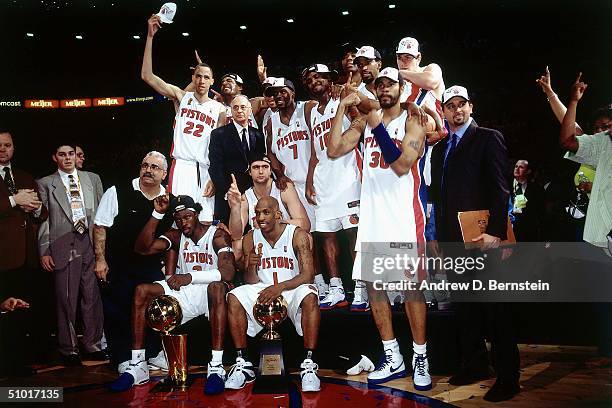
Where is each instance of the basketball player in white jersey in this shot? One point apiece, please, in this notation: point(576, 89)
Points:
point(278, 262)
point(392, 210)
point(368, 63)
point(290, 206)
point(206, 266)
point(332, 185)
point(196, 116)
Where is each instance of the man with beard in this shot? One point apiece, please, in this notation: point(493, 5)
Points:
point(196, 116)
point(207, 264)
point(391, 211)
point(332, 186)
point(124, 209)
point(368, 63)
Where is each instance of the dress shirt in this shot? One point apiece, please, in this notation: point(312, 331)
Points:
point(239, 129)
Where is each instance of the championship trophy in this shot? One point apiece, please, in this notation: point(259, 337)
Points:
point(271, 377)
point(163, 315)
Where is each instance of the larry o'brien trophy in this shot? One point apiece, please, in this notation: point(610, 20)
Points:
point(271, 378)
point(163, 315)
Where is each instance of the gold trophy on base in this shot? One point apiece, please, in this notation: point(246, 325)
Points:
point(163, 315)
point(271, 377)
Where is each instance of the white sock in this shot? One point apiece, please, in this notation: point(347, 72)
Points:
point(359, 284)
point(217, 357)
point(319, 279)
point(137, 356)
point(392, 345)
point(419, 348)
point(337, 282)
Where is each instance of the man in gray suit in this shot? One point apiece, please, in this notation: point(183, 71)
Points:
point(65, 244)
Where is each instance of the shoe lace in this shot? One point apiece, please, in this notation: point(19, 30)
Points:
point(384, 361)
point(419, 364)
point(309, 367)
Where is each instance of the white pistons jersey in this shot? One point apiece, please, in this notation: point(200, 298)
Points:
point(252, 201)
point(228, 115)
point(192, 126)
point(336, 181)
point(280, 258)
point(291, 143)
point(362, 88)
point(392, 206)
point(198, 256)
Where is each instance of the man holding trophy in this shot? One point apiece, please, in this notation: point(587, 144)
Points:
point(278, 259)
point(206, 262)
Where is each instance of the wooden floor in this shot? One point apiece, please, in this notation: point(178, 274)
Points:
point(551, 376)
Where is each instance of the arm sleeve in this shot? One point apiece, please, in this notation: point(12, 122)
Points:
point(201, 277)
point(107, 209)
point(589, 149)
point(217, 167)
point(498, 193)
point(430, 228)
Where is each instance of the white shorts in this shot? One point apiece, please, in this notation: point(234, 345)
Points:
point(193, 299)
point(183, 180)
point(337, 224)
point(247, 296)
point(310, 209)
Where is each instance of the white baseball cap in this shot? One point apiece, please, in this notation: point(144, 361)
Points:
point(408, 45)
point(455, 90)
point(319, 68)
point(167, 12)
point(269, 80)
point(235, 77)
point(369, 52)
point(391, 73)
point(279, 83)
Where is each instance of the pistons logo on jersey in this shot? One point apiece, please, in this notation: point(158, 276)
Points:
point(198, 257)
point(277, 262)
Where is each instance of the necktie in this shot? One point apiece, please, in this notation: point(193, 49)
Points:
point(245, 144)
point(451, 150)
point(76, 204)
point(8, 180)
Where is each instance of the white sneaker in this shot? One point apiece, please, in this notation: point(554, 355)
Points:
point(240, 374)
point(123, 366)
point(159, 362)
point(135, 374)
point(360, 300)
point(420, 376)
point(322, 288)
point(364, 364)
point(334, 298)
point(391, 367)
point(310, 380)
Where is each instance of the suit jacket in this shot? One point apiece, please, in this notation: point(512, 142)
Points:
point(528, 223)
point(475, 180)
point(18, 229)
point(55, 235)
point(226, 157)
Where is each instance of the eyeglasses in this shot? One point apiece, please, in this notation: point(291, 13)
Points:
point(147, 166)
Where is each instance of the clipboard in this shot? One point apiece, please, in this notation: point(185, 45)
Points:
point(474, 223)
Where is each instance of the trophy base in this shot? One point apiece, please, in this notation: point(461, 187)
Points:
point(169, 385)
point(271, 377)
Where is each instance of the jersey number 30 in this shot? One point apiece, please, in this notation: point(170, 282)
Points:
point(378, 161)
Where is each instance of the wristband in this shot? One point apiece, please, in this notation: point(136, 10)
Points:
point(156, 215)
point(389, 150)
point(199, 277)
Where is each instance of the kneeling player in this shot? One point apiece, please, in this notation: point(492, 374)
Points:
point(206, 262)
point(286, 250)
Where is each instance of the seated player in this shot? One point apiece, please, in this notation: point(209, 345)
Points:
point(285, 250)
point(207, 265)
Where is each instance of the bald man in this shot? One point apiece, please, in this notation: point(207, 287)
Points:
point(231, 149)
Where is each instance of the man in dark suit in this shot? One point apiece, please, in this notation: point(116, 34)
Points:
point(66, 250)
point(21, 212)
point(231, 148)
point(468, 174)
point(527, 204)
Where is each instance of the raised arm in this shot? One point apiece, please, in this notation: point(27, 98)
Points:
point(341, 143)
point(567, 136)
point(159, 85)
point(147, 243)
point(430, 78)
point(555, 103)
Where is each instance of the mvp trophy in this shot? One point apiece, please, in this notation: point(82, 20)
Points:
point(271, 377)
point(163, 315)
